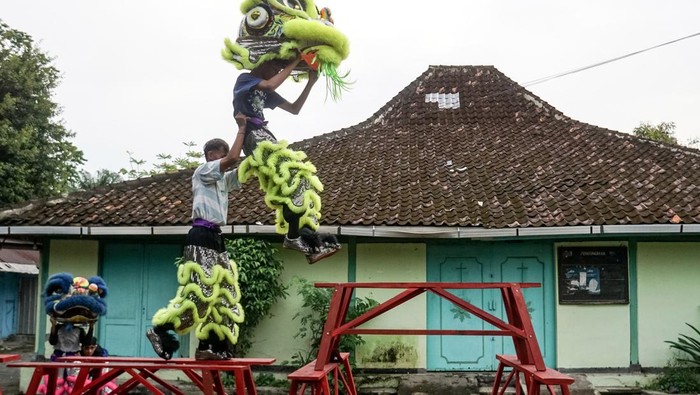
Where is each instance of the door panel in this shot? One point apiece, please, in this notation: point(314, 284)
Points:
point(160, 285)
point(528, 269)
point(141, 278)
point(487, 262)
point(122, 271)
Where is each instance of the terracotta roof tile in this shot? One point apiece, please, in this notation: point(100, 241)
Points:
point(495, 156)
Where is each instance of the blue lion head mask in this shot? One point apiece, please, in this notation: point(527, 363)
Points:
point(75, 299)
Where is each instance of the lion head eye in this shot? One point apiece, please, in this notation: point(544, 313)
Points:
point(259, 18)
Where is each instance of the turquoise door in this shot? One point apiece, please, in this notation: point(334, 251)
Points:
point(487, 262)
point(141, 278)
point(8, 304)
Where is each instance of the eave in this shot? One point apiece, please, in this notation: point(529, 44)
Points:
point(400, 232)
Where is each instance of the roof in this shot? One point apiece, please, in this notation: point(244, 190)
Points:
point(19, 261)
point(461, 146)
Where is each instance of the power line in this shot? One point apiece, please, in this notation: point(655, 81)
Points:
point(551, 77)
point(554, 76)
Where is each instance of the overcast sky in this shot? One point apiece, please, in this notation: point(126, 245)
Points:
point(147, 75)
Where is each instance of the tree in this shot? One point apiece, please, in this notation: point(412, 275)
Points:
point(663, 132)
point(37, 158)
point(86, 180)
point(166, 164)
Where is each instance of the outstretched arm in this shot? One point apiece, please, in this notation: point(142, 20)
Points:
point(235, 153)
point(295, 107)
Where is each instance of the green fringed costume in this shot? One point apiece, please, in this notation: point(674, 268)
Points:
point(208, 297)
point(285, 176)
point(274, 29)
point(293, 38)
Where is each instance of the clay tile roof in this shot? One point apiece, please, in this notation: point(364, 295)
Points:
point(459, 146)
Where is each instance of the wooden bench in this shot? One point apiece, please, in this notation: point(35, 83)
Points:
point(142, 371)
point(9, 357)
point(317, 380)
point(533, 378)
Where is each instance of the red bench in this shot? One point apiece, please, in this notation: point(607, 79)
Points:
point(142, 371)
point(317, 380)
point(533, 378)
point(9, 357)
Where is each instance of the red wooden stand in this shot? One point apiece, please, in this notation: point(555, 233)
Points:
point(142, 371)
point(317, 380)
point(528, 359)
point(533, 378)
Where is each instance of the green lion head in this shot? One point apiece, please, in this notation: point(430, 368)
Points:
point(280, 29)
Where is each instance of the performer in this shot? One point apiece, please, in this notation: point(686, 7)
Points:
point(67, 339)
point(288, 180)
point(208, 296)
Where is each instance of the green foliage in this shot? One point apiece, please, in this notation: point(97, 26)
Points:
point(269, 380)
point(166, 164)
point(259, 275)
point(663, 132)
point(689, 346)
point(682, 374)
point(312, 318)
point(261, 380)
point(38, 159)
point(87, 180)
point(677, 378)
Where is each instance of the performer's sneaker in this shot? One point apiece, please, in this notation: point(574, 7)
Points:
point(296, 245)
point(157, 344)
point(209, 355)
point(322, 252)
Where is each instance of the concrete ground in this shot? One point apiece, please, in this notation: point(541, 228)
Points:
point(9, 377)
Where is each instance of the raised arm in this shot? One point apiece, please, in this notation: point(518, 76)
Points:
point(235, 152)
point(275, 81)
point(295, 107)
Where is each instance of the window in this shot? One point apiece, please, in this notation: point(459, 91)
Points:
point(593, 275)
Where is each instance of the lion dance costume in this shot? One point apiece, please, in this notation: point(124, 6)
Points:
point(207, 300)
point(72, 303)
point(276, 30)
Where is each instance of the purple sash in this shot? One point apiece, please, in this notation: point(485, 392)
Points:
point(203, 223)
point(257, 122)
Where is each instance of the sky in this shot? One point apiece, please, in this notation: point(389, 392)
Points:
point(146, 76)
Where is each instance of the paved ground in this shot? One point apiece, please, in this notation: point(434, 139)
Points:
point(9, 377)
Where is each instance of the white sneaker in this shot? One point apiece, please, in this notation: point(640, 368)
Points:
point(296, 244)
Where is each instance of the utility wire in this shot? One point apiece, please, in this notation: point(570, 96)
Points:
point(554, 76)
point(551, 77)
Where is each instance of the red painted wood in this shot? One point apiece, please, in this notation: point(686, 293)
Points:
point(519, 327)
point(339, 304)
point(9, 357)
point(426, 285)
point(142, 371)
point(533, 377)
point(547, 376)
point(498, 323)
point(232, 361)
point(317, 380)
point(464, 332)
point(380, 309)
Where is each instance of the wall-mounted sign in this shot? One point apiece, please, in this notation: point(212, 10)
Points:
point(592, 275)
